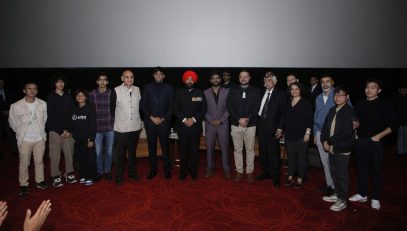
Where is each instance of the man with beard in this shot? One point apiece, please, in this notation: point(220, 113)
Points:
point(243, 105)
point(156, 105)
point(189, 108)
point(217, 124)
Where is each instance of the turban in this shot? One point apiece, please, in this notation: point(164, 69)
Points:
point(190, 74)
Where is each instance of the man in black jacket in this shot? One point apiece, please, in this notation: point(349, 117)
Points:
point(156, 104)
point(189, 108)
point(338, 138)
point(270, 128)
point(243, 104)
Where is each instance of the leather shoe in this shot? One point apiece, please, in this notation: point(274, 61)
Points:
point(119, 182)
point(276, 182)
point(194, 177)
point(151, 175)
point(182, 177)
point(108, 176)
point(167, 174)
point(134, 177)
point(263, 176)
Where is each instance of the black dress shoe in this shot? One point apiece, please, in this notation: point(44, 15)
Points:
point(167, 174)
point(263, 176)
point(151, 175)
point(276, 182)
point(108, 176)
point(98, 177)
point(134, 177)
point(194, 177)
point(119, 182)
point(182, 177)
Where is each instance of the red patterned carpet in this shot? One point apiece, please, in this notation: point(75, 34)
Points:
point(207, 204)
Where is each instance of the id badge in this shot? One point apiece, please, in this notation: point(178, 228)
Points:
point(244, 95)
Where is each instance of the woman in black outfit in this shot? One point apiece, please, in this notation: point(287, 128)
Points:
point(83, 128)
point(299, 121)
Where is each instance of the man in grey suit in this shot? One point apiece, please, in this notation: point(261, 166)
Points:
point(217, 124)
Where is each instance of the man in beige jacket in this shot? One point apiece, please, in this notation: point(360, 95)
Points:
point(27, 118)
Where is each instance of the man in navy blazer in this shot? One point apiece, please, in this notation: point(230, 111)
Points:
point(156, 105)
point(217, 124)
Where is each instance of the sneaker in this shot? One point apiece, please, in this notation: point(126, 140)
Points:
point(331, 198)
point(57, 182)
point(42, 185)
point(70, 178)
point(82, 181)
point(358, 198)
point(289, 182)
point(297, 184)
point(338, 206)
point(89, 182)
point(23, 191)
point(375, 204)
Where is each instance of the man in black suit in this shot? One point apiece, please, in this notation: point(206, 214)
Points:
point(156, 105)
point(6, 98)
point(270, 123)
point(189, 108)
point(315, 88)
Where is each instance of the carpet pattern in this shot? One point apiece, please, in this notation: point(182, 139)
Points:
point(206, 204)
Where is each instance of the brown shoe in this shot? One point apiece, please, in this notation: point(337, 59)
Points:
point(239, 176)
point(227, 174)
point(250, 177)
point(209, 173)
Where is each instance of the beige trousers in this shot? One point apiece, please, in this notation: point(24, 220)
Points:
point(243, 136)
point(56, 144)
point(25, 149)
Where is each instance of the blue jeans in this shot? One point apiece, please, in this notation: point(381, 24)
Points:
point(108, 138)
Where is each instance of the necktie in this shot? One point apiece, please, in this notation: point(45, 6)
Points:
point(266, 104)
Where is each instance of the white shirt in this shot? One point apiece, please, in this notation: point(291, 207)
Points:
point(32, 134)
point(263, 101)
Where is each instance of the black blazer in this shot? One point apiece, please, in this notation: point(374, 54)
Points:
point(151, 105)
point(189, 104)
point(253, 104)
point(276, 112)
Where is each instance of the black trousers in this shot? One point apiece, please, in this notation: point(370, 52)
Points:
point(86, 158)
point(189, 142)
point(269, 152)
point(162, 133)
point(369, 155)
point(126, 144)
point(338, 164)
point(296, 154)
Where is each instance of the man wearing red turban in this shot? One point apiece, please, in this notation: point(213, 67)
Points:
point(189, 108)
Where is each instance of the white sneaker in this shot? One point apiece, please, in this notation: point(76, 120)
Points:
point(89, 182)
point(82, 181)
point(375, 204)
point(331, 198)
point(358, 198)
point(338, 206)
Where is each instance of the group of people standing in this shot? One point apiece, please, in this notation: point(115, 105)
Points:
point(106, 116)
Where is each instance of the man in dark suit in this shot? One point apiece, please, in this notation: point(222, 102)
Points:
point(315, 89)
point(217, 124)
point(6, 98)
point(189, 108)
point(270, 123)
point(156, 105)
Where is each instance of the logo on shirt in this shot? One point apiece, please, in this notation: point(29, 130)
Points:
point(196, 99)
point(80, 117)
